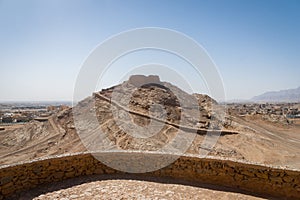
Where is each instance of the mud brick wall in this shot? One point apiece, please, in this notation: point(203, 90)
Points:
point(275, 182)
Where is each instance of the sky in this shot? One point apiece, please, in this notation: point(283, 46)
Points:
point(254, 44)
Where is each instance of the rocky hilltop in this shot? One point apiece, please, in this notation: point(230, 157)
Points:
point(147, 114)
point(144, 113)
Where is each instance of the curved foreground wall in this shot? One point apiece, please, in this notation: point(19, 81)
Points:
point(275, 182)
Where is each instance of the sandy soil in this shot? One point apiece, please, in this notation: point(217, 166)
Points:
point(257, 141)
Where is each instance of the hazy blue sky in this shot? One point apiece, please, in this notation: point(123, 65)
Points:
point(255, 44)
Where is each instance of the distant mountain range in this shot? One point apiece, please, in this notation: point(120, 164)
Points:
point(290, 95)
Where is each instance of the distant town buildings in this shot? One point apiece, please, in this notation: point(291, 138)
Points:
point(11, 113)
point(288, 110)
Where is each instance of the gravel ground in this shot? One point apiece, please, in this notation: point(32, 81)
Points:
point(112, 187)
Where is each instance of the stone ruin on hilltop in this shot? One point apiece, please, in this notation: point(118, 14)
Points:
point(140, 80)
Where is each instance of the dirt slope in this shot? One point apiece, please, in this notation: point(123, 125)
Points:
point(243, 138)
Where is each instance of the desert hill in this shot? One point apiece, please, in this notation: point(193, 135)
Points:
point(290, 95)
point(165, 110)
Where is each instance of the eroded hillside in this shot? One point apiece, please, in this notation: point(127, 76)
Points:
point(150, 116)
